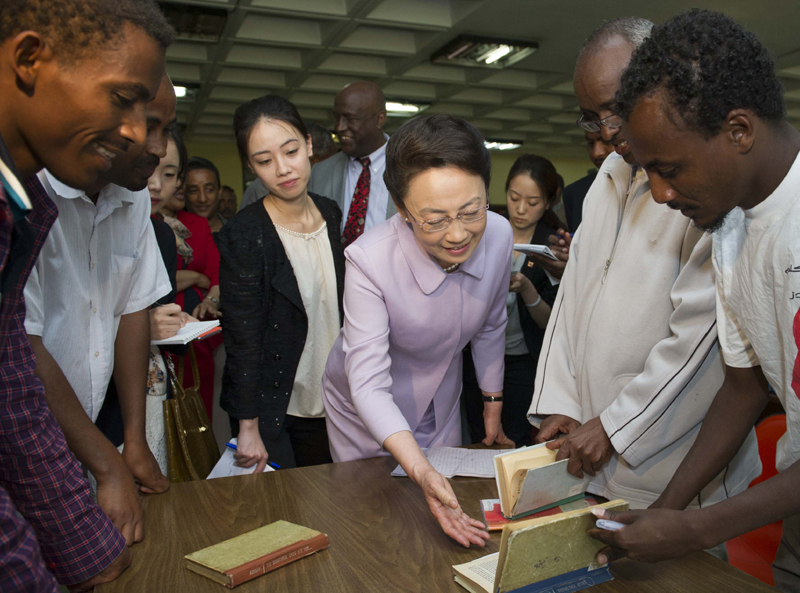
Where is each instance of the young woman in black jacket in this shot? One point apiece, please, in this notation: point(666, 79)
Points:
point(531, 189)
point(281, 279)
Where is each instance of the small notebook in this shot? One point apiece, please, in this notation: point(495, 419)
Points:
point(199, 330)
point(256, 552)
point(538, 249)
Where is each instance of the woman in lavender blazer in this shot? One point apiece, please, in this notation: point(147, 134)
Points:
point(418, 288)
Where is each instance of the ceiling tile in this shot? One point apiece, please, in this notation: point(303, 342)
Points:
point(222, 93)
point(355, 64)
point(538, 128)
point(511, 113)
point(555, 139)
point(432, 13)
point(475, 95)
point(280, 30)
point(326, 7)
point(181, 72)
point(381, 40)
point(312, 100)
point(184, 50)
point(562, 118)
point(266, 57)
point(565, 88)
point(250, 77)
point(216, 120)
point(540, 101)
point(490, 125)
point(410, 90)
point(511, 79)
point(457, 109)
point(326, 82)
point(436, 73)
point(314, 114)
point(224, 108)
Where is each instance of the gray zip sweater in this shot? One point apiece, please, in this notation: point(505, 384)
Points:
point(633, 339)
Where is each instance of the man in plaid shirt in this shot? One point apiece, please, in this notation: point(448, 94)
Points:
point(73, 120)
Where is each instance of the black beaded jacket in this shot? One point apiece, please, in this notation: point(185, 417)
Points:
point(264, 321)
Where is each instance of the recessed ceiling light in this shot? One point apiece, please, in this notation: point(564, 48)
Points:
point(470, 50)
point(180, 91)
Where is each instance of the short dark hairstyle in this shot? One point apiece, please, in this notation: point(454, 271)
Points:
point(76, 27)
point(267, 107)
point(707, 65)
point(230, 189)
point(544, 173)
point(431, 142)
point(197, 163)
point(183, 154)
point(321, 139)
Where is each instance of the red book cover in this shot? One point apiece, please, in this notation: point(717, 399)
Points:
point(265, 564)
point(495, 520)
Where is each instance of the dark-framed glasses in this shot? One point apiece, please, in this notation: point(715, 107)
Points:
point(612, 122)
point(437, 225)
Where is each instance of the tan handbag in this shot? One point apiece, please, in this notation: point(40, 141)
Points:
point(191, 447)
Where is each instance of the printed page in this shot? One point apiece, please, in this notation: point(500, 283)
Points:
point(226, 467)
point(481, 571)
point(452, 461)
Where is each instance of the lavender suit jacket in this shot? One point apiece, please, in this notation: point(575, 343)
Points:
point(398, 354)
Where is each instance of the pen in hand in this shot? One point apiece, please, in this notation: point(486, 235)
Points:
point(270, 463)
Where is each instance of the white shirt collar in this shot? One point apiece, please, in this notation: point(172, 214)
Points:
point(111, 192)
point(785, 192)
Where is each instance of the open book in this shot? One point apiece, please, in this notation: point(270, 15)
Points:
point(530, 480)
point(199, 330)
point(541, 555)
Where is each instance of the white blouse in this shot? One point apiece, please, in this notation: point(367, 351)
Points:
point(312, 260)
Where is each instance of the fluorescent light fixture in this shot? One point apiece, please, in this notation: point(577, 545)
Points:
point(393, 107)
point(180, 91)
point(497, 53)
point(485, 52)
point(500, 145)
point(404, 108)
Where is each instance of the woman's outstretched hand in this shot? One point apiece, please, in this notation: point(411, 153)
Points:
point(445, 508)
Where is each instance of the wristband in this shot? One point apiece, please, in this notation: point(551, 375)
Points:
point(492, 398)
point(216, 301)
point(539, 300)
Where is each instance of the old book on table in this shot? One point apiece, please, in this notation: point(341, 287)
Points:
point(256, 552)
point(541, 555)
point(530, 480)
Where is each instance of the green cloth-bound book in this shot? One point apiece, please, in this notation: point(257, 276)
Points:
point(256, 552)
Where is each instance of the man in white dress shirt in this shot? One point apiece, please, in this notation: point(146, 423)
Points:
point(88, 299)
point(353, 178)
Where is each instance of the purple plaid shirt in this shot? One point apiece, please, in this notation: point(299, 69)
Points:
point(39, 475)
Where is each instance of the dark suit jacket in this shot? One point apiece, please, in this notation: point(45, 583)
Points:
point(573, 197)
point(533, 334)
point(265, 323)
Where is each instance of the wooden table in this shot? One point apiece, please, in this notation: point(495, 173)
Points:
point(383, 538)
